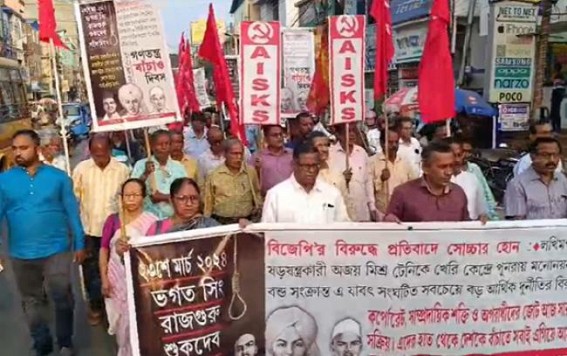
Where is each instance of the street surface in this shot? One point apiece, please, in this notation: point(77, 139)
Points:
point(14, 335)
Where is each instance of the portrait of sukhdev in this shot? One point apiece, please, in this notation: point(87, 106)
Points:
point(346, 338)
point(287, 105)
point(245, 345)
point(291, 331)
point(302, 100)
point(157, 99)
point(131, 98)
point(110, 107)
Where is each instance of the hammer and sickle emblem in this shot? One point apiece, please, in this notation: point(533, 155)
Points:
point(260, 32)
point(347, 25)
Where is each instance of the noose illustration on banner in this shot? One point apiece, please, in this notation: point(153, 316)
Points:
point(235, 280)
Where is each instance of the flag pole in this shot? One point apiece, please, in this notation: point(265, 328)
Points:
point(63, 131)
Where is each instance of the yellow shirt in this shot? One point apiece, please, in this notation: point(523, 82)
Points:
point(232, 195)
point(97, 191)
point(400, 173)
point(191, 167)
point(338, 181)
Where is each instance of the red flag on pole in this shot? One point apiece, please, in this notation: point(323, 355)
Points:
point(212, 52)
point(436, 82)
point(48, 25)
point(189, 80)
point(179, 87)
point(319, 94)
point(380, 11)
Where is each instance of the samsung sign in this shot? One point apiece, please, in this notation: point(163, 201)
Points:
point(408, 10)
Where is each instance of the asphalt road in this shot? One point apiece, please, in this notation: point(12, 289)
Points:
point(14, 335)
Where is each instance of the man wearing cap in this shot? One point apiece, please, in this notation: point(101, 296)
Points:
point(291, 331)
point(346, 339)
point(245, 345)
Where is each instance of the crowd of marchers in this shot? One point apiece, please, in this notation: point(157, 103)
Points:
point(196, 177)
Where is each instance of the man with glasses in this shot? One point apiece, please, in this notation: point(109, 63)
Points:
point(540, 192)
point(273, 163)
point(304, 198)
point(537, 130)
point(212, 157)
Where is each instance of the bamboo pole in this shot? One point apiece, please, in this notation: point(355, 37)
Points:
point(152, 176)
point(63, 130)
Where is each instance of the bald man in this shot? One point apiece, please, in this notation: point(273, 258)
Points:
point(246, 346)
point(97, 182)
point(214, 156)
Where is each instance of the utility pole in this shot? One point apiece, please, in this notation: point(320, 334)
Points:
point(541, 58)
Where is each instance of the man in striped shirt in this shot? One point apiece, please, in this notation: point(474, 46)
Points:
point(96, 183)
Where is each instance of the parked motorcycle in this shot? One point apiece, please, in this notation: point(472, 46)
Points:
point(497, 173)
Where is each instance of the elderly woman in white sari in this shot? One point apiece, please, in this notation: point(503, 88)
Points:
point(291, 331)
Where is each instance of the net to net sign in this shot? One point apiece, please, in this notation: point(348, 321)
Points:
point(260, 79)
point(439, 289)
point(347, 57)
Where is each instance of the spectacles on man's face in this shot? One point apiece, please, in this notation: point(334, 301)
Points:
point(184, 199)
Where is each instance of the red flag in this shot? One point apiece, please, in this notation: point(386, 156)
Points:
point(384, 46)
point(436, 83)
point(189, 81)
point(319, 95)
point(184, 84)
point(179, 88)
point(47, 24)
point(212, 52)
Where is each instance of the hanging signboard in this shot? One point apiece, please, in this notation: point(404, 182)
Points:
point(409, 10)
point(347, 55)
point(260, 68)
point(370, 53)
point(514, 117)
point(126, 64)
point(438, 289)
point(298, 69)
point(232, 64)
point(409, 42)
point(513, 52)
point(201, 87)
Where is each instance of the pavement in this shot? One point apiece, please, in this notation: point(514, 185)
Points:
point(14, 334)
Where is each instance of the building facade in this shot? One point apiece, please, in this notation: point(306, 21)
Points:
point(68, 61)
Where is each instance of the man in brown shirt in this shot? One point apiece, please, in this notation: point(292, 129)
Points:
point(432, 197)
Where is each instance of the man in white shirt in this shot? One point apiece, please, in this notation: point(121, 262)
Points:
point(476, 202)
point(303, 198)
point(409, 149)
point(373, 132)
point(537, 130)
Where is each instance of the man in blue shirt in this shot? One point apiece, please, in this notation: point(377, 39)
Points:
point(42, 213)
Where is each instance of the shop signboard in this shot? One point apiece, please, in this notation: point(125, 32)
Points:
point(513, 52)
point(409, 42)
point(409, 10)
point(513, 117)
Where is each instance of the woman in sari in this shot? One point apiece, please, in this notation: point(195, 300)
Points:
point(112, 272)
point(186, 202)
